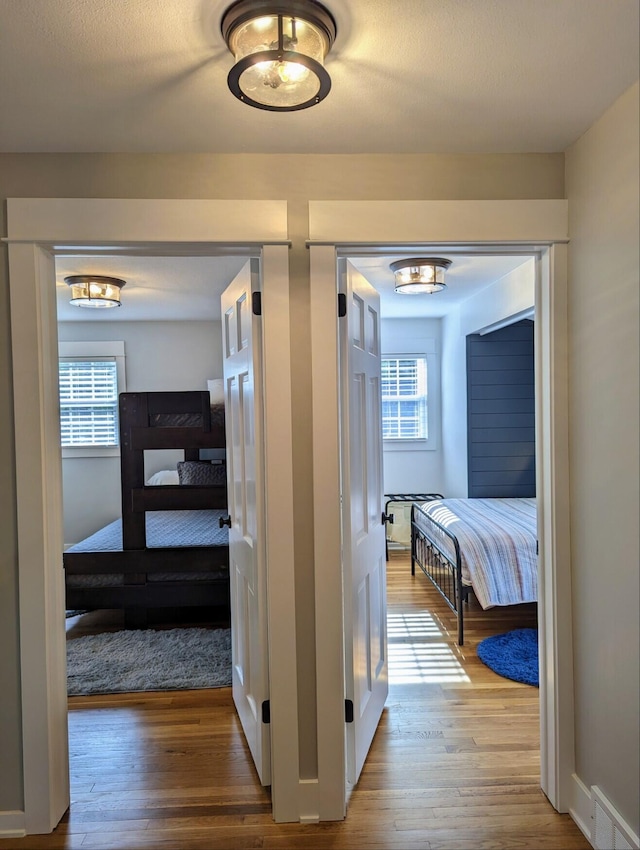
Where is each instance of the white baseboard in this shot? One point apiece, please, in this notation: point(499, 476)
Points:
point(12, 825)
point(580, 806)
point(597, 818)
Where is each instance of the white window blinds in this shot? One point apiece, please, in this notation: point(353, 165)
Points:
point(89, 402)
point(404, 398)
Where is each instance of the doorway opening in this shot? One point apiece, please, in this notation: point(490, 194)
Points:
point(167, 554)
point(165, 338)
point(438, 438)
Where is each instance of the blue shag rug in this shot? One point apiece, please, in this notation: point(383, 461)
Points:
point(513, 655)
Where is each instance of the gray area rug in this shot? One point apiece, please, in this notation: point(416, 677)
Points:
point(148, 660)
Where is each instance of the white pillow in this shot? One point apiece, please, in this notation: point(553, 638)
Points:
point(165, 476)
point(216, 390)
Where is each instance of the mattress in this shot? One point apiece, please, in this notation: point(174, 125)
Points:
point(498, 545)
point(166, 530)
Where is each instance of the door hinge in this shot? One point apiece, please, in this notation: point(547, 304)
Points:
point(256, 303)
point(348, 711)
point(266, 711)
point(342, 305)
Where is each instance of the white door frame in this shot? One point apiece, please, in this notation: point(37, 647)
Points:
point(38, 229)
point(538, 228)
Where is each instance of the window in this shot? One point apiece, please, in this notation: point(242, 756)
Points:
point(404, 398)
point(88, 403)
point(91, 375)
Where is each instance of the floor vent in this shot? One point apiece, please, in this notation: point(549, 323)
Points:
point(608, 830)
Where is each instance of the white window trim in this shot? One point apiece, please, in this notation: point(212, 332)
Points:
point(432, 442)
point(109, 348)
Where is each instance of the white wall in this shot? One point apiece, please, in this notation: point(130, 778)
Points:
point(416, 469)
point(444, 470)
point(454, 407)
point(602, 176)
point(158, 356)
point(296, 179)
point(509, 297)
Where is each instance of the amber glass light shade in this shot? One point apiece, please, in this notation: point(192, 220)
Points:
point(279, 51)
point(96, 291)
point(420, 275)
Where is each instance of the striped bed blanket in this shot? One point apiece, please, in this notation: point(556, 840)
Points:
point(497, 539)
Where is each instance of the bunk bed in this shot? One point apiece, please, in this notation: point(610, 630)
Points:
point(488, 546)
point(170, 548)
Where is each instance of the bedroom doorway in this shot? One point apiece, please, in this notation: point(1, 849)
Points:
point(410, 439)
point(186, 320)
point(341, 230)
point(95, 226)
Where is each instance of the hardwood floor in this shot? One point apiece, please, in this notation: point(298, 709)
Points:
point(454, 764)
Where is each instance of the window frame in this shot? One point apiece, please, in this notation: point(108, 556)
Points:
point(100, 350)
point(432, 441)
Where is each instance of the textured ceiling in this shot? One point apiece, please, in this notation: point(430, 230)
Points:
point(409, 76)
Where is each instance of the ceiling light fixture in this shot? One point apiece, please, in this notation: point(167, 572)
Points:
point(279, 50)
point(420, 275)
point(94, 290)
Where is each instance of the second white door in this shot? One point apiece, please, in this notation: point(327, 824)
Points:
point(364, 565)
point(242, 363)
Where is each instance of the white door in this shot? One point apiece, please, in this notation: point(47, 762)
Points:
point(365, 596)
point(242, 360)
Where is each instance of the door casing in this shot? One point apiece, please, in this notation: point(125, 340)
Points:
point(38, 229)
point(532, 228)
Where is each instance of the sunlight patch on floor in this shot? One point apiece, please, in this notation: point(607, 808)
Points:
point(416, 655)
point(412, 625)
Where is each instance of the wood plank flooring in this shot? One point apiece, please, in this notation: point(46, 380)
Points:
point(454, 764)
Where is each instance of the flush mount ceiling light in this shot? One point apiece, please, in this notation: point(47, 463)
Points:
point(420, 275)
point(279, 50)
point(94, 290)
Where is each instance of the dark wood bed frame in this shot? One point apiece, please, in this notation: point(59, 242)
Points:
point(157, 420)
point(444, 573)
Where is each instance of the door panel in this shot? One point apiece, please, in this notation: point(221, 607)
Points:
point(247, 543)
point(366, 674)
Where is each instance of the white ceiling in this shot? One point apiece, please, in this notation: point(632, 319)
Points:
point(409, 76)
point(156, 288)
point(466, 276)
point(189, 288)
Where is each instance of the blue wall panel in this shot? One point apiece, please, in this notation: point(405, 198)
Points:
point(501, 413)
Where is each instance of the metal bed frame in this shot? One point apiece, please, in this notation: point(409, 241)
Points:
point(403, 497)
point(445, 574)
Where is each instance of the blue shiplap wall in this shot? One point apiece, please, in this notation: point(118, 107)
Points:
point(501, 413)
